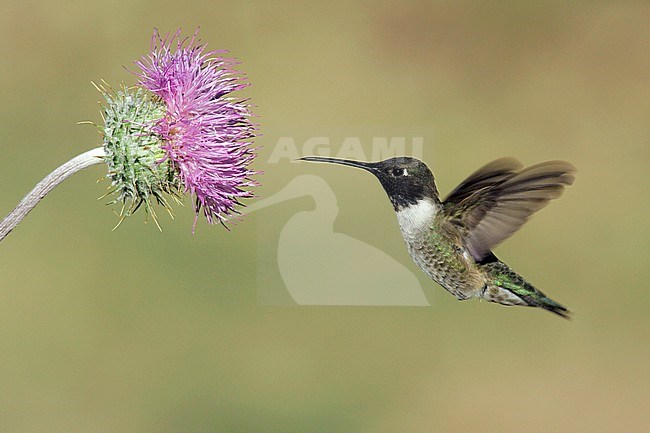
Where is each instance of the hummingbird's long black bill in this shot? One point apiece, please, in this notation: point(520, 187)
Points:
point(369, 166)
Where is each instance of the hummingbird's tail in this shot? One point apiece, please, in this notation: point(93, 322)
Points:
point(507, 287)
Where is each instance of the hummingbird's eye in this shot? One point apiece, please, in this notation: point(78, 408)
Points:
point(397, 172)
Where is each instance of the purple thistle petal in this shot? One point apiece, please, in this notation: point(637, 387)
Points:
point(206, 134)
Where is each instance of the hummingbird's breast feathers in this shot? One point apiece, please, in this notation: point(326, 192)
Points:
point(417, 218)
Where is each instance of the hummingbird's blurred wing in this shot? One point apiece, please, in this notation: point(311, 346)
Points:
point(496, 201)
point(488, 175)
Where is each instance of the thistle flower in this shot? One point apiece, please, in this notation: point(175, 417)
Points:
point(188, 136)
point(177, 131)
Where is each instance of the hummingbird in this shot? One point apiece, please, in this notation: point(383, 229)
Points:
point(452, 240)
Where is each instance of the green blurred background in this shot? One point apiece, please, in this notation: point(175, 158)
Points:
point(135, 330)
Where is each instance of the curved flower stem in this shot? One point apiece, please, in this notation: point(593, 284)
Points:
point(78, 163)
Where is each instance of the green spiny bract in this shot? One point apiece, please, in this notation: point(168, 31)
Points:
point(137, 165)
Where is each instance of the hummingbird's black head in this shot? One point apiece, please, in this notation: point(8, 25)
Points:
point(405, 180)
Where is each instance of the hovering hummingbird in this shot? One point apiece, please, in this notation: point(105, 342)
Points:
point(452, 240)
